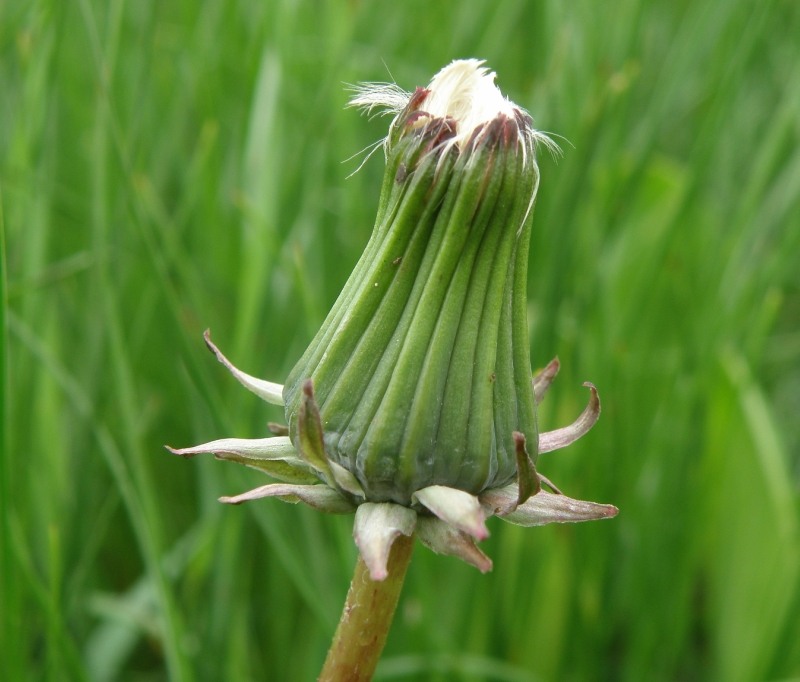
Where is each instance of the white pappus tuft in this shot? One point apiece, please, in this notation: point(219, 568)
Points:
point(463, 91)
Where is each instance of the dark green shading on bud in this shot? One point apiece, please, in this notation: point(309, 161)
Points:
point(421, 370)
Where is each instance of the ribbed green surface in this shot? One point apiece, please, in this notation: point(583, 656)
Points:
point(406, 367)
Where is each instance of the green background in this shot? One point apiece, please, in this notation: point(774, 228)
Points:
point(173, 166)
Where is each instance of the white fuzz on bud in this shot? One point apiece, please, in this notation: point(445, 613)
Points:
point(463, 91)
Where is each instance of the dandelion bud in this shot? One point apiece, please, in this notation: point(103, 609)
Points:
point(414, 405)
point(421, 370)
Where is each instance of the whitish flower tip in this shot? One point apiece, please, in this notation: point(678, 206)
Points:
point(464, 91)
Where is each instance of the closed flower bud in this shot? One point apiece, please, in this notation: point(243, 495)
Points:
point(414, 405)
point(421, 370)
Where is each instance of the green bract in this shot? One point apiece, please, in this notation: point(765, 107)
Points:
point(414, 403)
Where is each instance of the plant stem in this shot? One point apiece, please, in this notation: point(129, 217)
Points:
point(366, 618)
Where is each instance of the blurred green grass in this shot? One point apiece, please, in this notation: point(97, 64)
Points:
point(168, 167)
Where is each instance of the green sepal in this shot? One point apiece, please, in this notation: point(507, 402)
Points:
point(311, 445)
point(288, 469)
point(527, 478)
